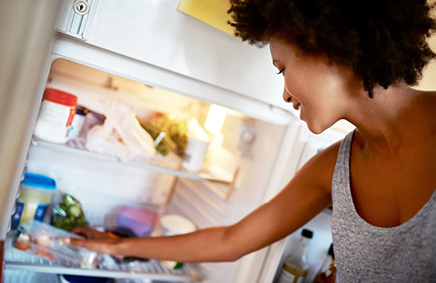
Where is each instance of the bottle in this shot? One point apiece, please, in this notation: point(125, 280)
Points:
point(295, 267)
point(78, 121)
point(327, 273)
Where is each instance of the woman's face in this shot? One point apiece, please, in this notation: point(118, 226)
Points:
point(319, 90)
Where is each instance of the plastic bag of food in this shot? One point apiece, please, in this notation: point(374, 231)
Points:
point(169, 133)
point(121, 135)
point(46, 241)
point(67, 213)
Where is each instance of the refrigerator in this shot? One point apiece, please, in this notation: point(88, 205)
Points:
point(142, 57)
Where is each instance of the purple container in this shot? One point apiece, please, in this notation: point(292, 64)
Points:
point(139, 220)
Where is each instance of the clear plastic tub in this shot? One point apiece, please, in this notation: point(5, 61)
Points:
point(46, 241)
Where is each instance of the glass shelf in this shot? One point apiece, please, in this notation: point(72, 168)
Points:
point(171, 164)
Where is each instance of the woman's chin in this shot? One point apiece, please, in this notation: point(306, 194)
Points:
point(315, 129)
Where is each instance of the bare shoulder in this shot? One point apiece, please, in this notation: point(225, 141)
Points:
point(318, 171)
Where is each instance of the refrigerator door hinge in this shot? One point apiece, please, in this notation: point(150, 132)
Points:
point(75, 17)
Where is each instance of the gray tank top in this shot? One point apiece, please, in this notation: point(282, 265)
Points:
point(367, 253)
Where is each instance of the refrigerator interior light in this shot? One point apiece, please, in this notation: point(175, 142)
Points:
point(215, 119)
point(196, 130)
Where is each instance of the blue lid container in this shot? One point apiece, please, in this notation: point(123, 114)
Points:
point(38, 181)
point(36, 193)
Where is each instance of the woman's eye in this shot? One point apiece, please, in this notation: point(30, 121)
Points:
point(280, 71)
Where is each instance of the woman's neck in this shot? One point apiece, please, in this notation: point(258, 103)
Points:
point(394, 119)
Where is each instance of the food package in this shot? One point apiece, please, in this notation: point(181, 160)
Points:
point(121, 135)
point(46, 241)
point(67, 213)
point(169, 133)
point(137, 219)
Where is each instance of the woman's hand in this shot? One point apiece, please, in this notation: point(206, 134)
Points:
point(96, 241)
point(90, 233)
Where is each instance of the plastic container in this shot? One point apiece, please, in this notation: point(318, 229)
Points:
point(195, 153)
point(139, 220)
point(55, 116)
point(43, 240)
point(173, 224)
point(36, 193)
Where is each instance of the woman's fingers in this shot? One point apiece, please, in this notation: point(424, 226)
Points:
point(90, 233)
point(102, 246)
point(75, 242)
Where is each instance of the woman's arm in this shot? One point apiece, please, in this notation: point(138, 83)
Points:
point(307, 194)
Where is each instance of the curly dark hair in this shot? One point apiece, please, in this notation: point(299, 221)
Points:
point(382, 41)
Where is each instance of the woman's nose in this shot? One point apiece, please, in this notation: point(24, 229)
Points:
point(286, 95)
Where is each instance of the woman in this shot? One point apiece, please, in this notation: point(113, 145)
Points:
point(340, 60)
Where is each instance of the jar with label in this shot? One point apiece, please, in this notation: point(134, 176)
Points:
point(36, 193)
point(55, 116)
point(295, 267)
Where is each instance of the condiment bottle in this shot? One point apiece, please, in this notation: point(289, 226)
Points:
point(327, 273)
point(295, 267)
